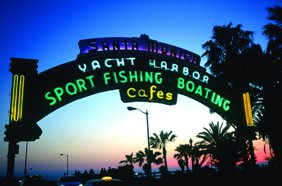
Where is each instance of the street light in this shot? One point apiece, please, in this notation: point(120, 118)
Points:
point(25, 162)
point(67, 162)
point(148, 134)
point(147, 122)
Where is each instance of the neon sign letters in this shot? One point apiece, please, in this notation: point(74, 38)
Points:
point(92, 46)
point(139, 78)
point(141, 69)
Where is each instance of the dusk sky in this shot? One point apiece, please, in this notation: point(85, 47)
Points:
point(98, 131)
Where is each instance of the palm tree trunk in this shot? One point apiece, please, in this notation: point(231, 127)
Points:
point(165, 160)
point(193, 163)
point(187, 163)
point(253, 158)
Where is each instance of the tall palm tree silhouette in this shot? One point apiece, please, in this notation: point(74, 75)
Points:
point(223, 54)
point(272, 86)
point(160, 142)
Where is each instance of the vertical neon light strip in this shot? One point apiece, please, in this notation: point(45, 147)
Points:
point(17, 98)
point(248, 109)
point(14, 97)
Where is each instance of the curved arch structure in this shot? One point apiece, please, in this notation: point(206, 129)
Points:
point(140, 68)
point(139, 76)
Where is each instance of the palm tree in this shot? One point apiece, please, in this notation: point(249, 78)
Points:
point(221, 144)
point(272, 86)
point(195, 152)
point(160, 142)
point(184, 152)
point(266, 95)
point(200, 156)
point(257, 62)
point(181, 163)
point(222, 50)
point(224, 58)
point(273, 30)
point(143, 158)
point(129, 160)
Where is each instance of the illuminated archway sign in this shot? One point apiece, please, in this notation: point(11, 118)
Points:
point(140, 68)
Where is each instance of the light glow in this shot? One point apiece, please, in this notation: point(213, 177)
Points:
point(107, 178)
point(248, 109)
point(17, 98)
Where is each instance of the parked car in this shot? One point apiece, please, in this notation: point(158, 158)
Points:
point(68, 180)
point(105, 181)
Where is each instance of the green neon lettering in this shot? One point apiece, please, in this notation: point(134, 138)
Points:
point(158, 78)
point(213, 97)
point(149, 77)
point(218, 100)
point(81, 85)
point(70, 88)
point(90, 78)
point(141, 79)
point(180, 83)
point(122, 76)
point(133, 75)
point(192, 86)
point(207, 92)
point(115, 77)
point(51, 98)
point(106, 78)
point(68, 85)
point(225, 105)
point(59, 92)
point(199, 90)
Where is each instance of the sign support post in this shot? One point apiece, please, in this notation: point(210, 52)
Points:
point(22, 126)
